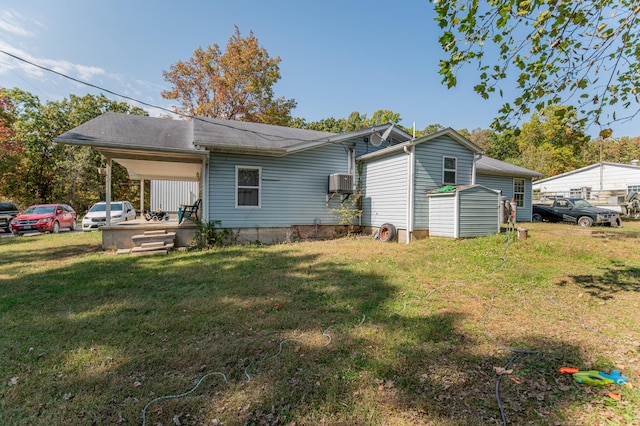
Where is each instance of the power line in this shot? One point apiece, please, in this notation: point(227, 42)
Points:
point(102, 89)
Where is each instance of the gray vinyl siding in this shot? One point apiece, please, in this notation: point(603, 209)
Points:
point(505, 185)
point(293, 188)
point(478, 212)
point(428, 173)
point(385, 191)
point(441, 214)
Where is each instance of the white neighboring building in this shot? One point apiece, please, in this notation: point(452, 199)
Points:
point(601, 183)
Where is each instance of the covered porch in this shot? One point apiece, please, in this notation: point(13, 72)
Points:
point(146, 166)
point(149, 149)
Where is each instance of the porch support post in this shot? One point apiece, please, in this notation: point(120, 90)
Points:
point(141, 198)
point(108, 193)
point(203, 189)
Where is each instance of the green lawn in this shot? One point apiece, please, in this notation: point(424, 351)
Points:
point(352, 331)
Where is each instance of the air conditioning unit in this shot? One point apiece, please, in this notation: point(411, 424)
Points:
point(340, 184)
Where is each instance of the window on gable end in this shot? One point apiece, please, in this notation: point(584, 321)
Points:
point(449, 167)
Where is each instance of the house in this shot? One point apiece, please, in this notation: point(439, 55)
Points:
point(514, 182)
point(606, 184)
point(272, 183)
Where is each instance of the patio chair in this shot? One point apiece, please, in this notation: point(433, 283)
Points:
point(189, 211)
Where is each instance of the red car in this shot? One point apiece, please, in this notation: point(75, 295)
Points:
point(44, 218)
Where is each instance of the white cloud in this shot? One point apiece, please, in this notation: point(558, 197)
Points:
point(79, 71)
point(10, 23)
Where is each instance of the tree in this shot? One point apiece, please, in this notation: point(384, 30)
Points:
point(551, 142)
point(11, 149)
point(479, 137)
point(52, 172)
point(556, 52)
point(621, 150)
point(355, 121)
point(504, 146)
point(234, 85)
point(431, 128)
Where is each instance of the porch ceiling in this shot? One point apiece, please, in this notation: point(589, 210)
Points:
point(157, 165)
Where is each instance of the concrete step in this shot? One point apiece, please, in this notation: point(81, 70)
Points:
point(148, 252)
point(153, 237)
point(151, 247)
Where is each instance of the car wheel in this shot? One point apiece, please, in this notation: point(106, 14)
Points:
point(536, 218)
point(585, 221)
point(73, 226)
point(56, 227)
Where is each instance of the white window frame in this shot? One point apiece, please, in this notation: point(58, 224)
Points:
point(454, 170)
point(519, 201)
point(259, 187)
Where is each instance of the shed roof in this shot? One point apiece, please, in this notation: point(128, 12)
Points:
point(491, 166)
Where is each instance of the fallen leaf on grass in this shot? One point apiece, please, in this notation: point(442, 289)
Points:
point(13, 381)
point(137, 384)
point(615, 395)
point(500, 371)
point(516, 381)
point(176, 420)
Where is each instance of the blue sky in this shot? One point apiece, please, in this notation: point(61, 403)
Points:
point(338, 56)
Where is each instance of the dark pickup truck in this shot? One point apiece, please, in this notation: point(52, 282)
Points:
point(575, 210)
point(7, 212)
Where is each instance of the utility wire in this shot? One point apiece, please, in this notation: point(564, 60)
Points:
point(102, 89)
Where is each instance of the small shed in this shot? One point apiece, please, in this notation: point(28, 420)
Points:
point(464, 211)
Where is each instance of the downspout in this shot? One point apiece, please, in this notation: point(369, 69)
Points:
point(409, 150)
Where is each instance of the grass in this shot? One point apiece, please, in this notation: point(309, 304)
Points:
point(351, 331)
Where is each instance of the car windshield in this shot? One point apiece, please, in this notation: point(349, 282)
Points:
point(40, 210)
point(7, 207)
point(103, 207)
point(582, 203)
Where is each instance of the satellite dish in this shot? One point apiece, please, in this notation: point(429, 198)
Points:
point(386, 133)
point(376, 139)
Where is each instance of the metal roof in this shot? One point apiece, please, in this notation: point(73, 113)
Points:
point(591, 166)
